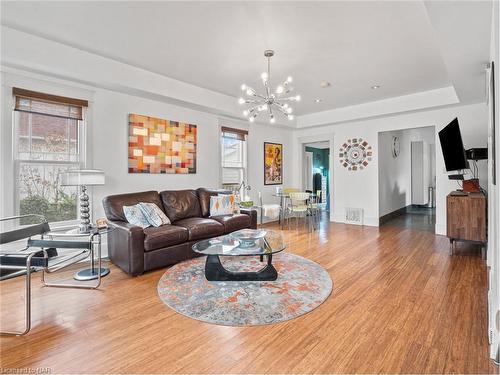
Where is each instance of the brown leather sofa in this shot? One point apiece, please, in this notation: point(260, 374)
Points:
point(136, 250)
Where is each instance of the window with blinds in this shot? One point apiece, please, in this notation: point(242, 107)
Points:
point(48, 140)
point(233, 157)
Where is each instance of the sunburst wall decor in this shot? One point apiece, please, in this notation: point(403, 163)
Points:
point(355, 154)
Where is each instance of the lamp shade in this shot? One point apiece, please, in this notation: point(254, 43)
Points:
point(79, 177)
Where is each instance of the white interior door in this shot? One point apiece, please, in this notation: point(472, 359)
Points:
point(420, 173)
point(308, 170)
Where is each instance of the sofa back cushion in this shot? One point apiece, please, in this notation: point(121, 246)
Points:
point(180, 204)
point(204, 197)
point(113, 204)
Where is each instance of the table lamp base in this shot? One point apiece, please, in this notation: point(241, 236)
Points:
point(90, 273)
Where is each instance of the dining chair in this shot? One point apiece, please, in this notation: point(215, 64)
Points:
point(273, 211)
point(298, 207)
point(315, 208)
point(289, 190)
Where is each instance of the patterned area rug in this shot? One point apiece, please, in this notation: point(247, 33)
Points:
point(302, 285)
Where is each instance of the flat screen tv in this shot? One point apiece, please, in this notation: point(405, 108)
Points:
point(453, 147)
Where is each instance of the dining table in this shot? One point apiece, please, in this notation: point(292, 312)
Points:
point(283, 197)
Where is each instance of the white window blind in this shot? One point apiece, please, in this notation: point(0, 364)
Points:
point(48, 141)
point(233, 156)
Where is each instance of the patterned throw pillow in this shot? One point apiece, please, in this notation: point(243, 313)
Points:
point(222, 205)
point(134, 216)
point(154, 214)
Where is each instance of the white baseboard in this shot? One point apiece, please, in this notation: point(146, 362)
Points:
point(440, 229)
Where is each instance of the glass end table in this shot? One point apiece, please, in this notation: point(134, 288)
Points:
point(93, 235)
point(271, 243)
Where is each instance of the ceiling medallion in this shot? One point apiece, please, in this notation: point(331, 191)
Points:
point(271, 101)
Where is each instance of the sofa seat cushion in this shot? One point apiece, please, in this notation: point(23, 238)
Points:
point(164, 236)
point(200, 228)
point(233, 222)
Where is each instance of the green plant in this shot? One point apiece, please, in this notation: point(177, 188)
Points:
point(64, 209)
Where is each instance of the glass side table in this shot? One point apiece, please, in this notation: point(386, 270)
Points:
point(94, 238)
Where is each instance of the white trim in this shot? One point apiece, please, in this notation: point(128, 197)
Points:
point(301, 141)
point(9, 205)
point(418, 101)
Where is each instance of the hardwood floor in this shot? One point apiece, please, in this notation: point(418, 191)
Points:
point(400, 303)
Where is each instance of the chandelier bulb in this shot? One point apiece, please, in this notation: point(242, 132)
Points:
point(279, 89)
point(285, 105)
point(250, 92)
point(245, 113)
point(289, 109)
point(290, 117)
point(243, 87)
point(272, 120)
point(264, 76)
point(297, 98)
point(251, 119)
point(241, 100)
point(289, 79)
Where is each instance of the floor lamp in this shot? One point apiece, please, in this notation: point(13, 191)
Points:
point(84, 178)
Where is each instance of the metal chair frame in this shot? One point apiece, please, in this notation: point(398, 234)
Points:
point(27, 255)
point(299, 208)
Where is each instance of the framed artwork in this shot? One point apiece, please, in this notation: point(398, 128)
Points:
point(273, 163)
point(161, 146)
point(355, 154)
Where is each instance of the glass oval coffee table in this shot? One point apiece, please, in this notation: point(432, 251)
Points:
point(271, 243)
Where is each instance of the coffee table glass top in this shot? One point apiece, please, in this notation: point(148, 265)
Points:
point(227, 245)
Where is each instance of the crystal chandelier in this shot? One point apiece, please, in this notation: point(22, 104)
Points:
point(272, 101)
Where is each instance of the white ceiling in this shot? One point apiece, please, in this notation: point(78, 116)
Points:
point(219, 45)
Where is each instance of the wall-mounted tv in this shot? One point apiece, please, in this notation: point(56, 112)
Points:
point(453, 147)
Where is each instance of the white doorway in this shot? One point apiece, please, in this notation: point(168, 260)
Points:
point(308, 170)
point(407, 178)
point(317, 171)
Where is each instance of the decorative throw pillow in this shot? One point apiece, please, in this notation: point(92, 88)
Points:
point(134, 216)
point(154, 214)
point(222, 205)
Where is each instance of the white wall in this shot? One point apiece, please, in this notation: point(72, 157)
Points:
point(111, 111)
point(107, 129)
point(110, 145)
point(395, 173)
point(493, 197)
point(359, 189)
point(114, 90)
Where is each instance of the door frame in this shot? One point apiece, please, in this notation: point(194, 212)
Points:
point(301, 141)
point(308, 156)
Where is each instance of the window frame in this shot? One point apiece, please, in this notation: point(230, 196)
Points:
point(17, 161)
point(243, 170)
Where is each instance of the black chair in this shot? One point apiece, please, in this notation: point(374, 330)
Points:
point(40, 254)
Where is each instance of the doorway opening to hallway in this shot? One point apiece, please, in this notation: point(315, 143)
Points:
point(316, 177)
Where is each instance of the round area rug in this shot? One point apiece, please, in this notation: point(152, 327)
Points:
point(302, 285)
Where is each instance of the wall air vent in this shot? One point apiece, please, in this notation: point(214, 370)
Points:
point(354, 216)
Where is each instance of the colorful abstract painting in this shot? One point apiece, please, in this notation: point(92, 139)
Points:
point(161, 146)
point(273, 163)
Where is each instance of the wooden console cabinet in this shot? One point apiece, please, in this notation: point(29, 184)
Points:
point(466, 218)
